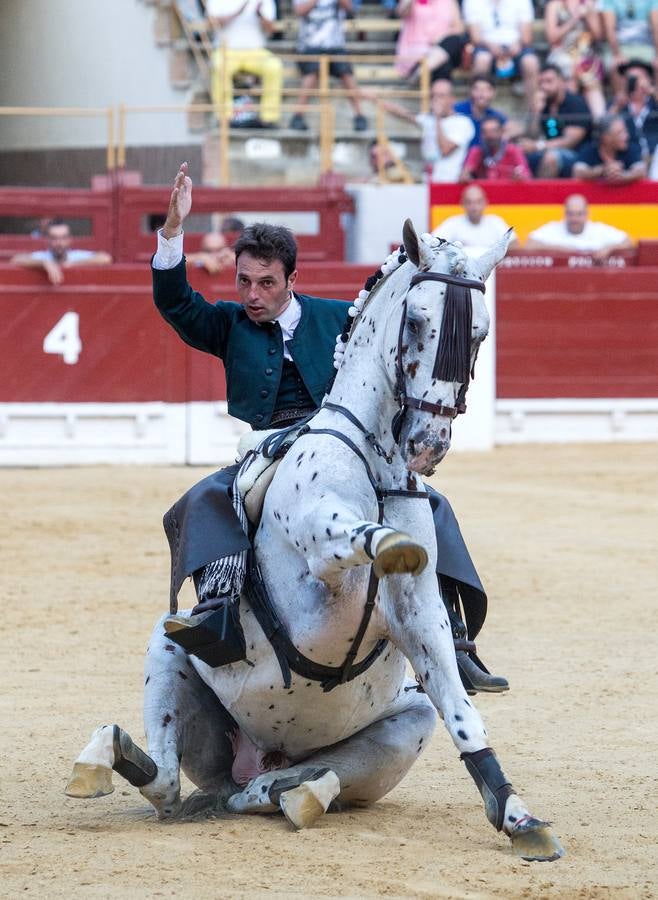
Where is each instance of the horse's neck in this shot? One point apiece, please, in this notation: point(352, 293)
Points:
point(363, 383)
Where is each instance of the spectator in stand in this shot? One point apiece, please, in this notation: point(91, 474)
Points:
point(639, 107)
point(214, 256)
point(557, 128)
point(576, 233)
point(322, 32)
point(445, 135)
point(432, 30)
point(495, 158)
point(241, 29)
point(631, 31)
point(474, 228)
point(477, 106)
point(613, 158)
point(501, 33)
point(59, 255)
point(572, 29)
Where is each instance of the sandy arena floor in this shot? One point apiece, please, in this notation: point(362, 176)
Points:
point(565, 540)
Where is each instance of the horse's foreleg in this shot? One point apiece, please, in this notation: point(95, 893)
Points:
point(418, 625)
point(186, 726)
point(335, 537)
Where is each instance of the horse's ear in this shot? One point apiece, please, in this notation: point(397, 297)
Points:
point(485, 264)
point(410, 241)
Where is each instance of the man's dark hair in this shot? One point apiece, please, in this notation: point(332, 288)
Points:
point(483, 77)
point(490, 118)
point(56, 221)
point(605, 123)
point(551, 67)
point(232, 223)
point(269, 242)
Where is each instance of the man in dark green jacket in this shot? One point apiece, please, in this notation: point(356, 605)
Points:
point(277, 348)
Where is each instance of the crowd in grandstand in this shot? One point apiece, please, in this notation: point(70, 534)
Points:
point(586, 78)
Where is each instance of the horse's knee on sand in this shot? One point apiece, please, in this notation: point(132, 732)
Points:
point(373, 761)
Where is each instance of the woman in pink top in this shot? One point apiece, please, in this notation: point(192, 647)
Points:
point(431, 30)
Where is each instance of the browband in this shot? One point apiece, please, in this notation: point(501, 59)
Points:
point(448, 279)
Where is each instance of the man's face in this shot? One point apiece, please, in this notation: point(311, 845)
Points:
point(492, 133)
point(59, 240)
point(643, 83)
point(551, 85)
point(473, 202)
point(575, 215)
point(442, 99)
point(616, 137)
point(262, 287)
point(482, 93)
point(213, 243)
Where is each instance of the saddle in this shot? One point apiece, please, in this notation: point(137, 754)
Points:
point(260, 453)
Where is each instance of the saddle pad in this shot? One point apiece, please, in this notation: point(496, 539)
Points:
point(257, 470)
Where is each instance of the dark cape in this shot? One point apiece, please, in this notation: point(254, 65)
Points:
point(202, 526)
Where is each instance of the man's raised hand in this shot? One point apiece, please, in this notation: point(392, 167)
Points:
point(180, 203)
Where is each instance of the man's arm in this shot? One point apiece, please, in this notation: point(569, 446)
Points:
point(95, 259)
point(587, 172)
point(200, 324)
point(52, 269)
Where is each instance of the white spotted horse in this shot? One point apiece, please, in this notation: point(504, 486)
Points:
point(341, 593)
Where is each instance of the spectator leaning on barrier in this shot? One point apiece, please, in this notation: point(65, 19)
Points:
point(214, 256)
point(241, 28)
point(322, 32)
point(613, 157)
point(477, 107)
point(572, 29)
point(558, 125)
point(631, 32)
point(446, 135)
point(576, 233)
point(431, 30)
point(495, 158)
point(59, 255)
point(501, 33)
point(474, 228)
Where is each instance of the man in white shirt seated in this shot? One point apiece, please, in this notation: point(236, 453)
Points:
point(59, 255)
point(474, 228)
point(576, 233)
point(446, 135)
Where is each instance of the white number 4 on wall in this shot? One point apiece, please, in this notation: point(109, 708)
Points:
point(64, 339)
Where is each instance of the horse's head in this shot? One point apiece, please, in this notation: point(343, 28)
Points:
point(443, 321)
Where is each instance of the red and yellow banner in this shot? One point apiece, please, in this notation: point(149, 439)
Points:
point(527, 205)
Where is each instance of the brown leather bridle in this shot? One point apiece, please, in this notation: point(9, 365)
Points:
point(405, 401)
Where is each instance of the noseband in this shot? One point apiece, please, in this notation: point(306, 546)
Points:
point(406, 401)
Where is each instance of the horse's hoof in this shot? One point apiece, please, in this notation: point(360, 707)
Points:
point(88, 781)
point(302, 806)
point(398, 554)
point(535, 841)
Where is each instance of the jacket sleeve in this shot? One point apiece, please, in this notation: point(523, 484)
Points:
point(202, 325)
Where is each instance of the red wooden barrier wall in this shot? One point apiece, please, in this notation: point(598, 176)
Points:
point(118, 206)
point(561, 333)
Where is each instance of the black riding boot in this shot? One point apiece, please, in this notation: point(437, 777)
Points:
point(474, 674)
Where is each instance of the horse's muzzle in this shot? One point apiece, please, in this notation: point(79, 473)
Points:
point(422, 454)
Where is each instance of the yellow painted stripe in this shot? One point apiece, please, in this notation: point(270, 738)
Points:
point(638, 220)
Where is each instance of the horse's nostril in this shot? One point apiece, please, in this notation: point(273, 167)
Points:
point(443, 434)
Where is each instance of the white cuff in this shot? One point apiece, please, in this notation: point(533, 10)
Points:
point(169, 252)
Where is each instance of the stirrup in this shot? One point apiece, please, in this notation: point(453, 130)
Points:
point(477, 677)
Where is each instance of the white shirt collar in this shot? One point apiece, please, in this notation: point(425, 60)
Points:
point(289, 318)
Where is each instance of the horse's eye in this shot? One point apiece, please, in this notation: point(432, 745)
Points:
point(412, 326)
